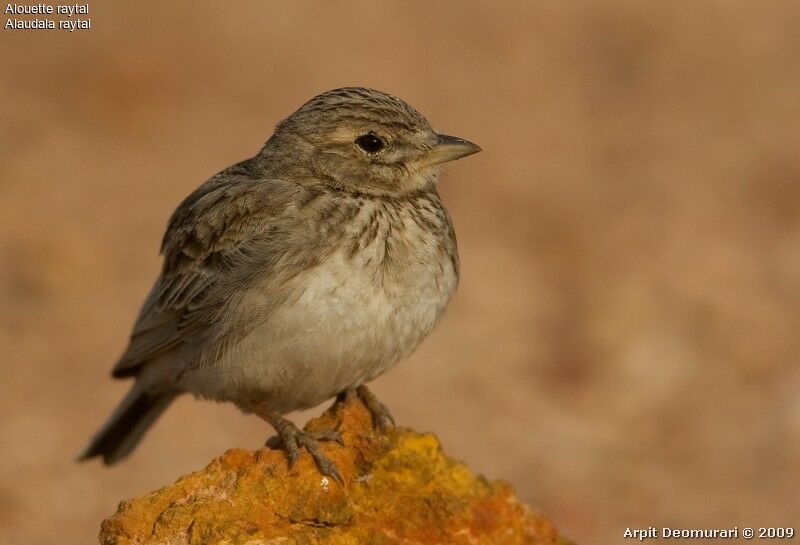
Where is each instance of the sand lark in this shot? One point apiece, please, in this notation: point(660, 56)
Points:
point(299, 274)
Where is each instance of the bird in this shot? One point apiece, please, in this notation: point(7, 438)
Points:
point(297, 275)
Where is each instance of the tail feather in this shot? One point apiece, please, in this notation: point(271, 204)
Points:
point(126, 426)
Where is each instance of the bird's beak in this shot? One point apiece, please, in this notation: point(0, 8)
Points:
point(450, 148)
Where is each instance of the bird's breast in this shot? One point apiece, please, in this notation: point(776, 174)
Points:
point(376, 295)
point(378, 292)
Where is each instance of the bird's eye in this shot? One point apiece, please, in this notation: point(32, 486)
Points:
point(370, 143)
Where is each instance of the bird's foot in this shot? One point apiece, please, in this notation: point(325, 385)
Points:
point(292, 439)
point(381, 417)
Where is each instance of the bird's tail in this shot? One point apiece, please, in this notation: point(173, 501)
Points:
point(127, 425)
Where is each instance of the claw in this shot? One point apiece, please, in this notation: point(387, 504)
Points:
point(328, 468)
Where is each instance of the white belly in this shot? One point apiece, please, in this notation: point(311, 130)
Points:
point(341, 325)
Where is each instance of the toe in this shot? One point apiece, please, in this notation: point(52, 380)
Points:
point(381, 417)
point(292, 450)
point(327, 435)
point(326, 467)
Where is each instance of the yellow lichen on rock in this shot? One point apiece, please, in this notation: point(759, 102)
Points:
point(399, 488)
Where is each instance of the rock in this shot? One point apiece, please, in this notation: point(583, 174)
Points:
point(399, 488)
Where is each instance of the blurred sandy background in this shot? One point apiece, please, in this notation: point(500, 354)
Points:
point(624, 345)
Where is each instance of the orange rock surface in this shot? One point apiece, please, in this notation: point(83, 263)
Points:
point(399, 488)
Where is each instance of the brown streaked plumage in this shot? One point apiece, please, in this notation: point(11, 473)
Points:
point(299, 274)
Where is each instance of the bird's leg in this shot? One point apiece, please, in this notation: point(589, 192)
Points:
point(381, 417)
point(292, 439)
point(345, 396)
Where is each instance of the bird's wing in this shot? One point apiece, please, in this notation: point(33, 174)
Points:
point(209, 237)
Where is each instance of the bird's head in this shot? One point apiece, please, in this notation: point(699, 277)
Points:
point(361, 140)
